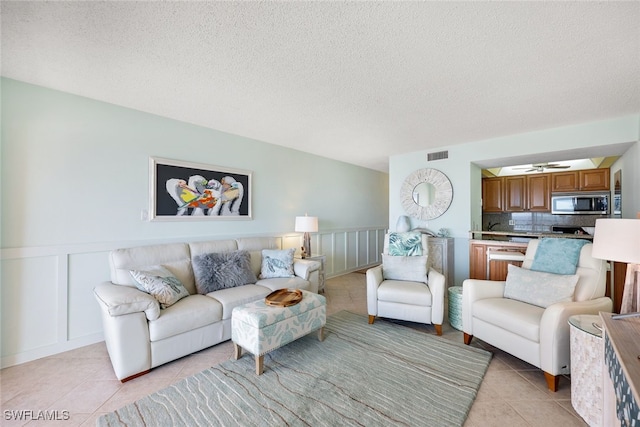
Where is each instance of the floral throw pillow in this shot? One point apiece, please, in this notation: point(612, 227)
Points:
point(277, 263)
point(161, 284)
point(405, 244)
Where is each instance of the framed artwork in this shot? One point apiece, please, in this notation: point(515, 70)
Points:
point(185, 191)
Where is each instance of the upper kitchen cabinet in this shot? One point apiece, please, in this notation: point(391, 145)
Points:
point(492, 195)
point(539, 193)
point(594, 179)
point(520, 193)
point(583, 180)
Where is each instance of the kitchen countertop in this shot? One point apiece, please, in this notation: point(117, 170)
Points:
point(506, 235)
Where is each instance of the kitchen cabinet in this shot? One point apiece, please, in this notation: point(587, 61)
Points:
point(478, 258)
point(565, 181)
point(515, 193)
point(520, 193)
point(583, 180)
point(492, 194)
point(594, 179)
point(539, 193)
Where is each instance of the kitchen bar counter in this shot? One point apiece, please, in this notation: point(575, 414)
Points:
point(507, 235)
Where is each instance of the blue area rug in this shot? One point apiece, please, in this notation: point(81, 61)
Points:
point(360, 375)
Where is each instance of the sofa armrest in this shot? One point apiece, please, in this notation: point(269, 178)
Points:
point(118, 300)
point(554, 331)
point(374, 278)
point(474, 290)
point(436, 283)
point(303, 267)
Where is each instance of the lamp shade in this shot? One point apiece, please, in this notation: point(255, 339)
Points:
point(617, 240)
point(307, 224)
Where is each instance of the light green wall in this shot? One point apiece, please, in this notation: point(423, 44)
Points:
point(74, 179)
point(75, 170)
point(465, 211)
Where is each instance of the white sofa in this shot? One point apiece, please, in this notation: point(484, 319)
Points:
point(140, 335)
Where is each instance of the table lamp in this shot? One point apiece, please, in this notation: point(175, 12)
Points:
point(306, 224)
point(619, 240)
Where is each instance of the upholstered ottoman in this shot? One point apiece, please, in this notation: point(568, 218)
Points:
point(259, 328)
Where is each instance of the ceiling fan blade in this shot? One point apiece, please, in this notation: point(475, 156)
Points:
point(558, 167)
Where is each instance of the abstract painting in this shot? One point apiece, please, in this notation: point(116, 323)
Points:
point(190, 191)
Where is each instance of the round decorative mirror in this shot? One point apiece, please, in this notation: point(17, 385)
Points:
point(426, 194)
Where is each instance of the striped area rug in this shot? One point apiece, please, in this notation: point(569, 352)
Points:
point(361, 375)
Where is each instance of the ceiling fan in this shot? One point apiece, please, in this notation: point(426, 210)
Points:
point(540, 167)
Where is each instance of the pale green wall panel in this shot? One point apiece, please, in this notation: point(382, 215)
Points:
point(76, 170)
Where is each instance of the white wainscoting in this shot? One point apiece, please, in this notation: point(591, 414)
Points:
point(47, 303)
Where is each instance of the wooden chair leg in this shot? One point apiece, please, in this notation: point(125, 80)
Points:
point(467, 338)
point(371, 319)
point(438, 329)
point(552, 381)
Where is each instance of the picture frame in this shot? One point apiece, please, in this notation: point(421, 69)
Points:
point(189, 191)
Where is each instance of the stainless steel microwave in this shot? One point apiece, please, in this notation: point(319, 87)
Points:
point(580, 203)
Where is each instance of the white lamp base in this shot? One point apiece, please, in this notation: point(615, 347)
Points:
point(306, 245)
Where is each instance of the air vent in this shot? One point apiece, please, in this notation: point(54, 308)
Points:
point(437, 156)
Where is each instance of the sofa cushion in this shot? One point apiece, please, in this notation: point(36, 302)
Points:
point(277, 263)
point(558, 255)
point(285, 283)
point(233, 297)
point(412, 268)
point(514, 316)
point(223, 270)
point(538, 288)
point(161, 284)
point(174, 256)
point(188, 314)
point(405, 292)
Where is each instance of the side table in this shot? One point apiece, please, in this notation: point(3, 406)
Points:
point(587, 358)
point(322, 259)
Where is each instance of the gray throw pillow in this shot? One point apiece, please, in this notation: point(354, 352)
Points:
point(222, 270)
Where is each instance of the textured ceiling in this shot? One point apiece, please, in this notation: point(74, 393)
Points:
point(353, 81)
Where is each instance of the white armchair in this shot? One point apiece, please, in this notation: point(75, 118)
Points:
point(420, 301)
point(537, 335)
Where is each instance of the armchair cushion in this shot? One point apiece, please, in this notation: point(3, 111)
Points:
point(411, 268)
point(161, 284)
point(405, 292)
point(539, 288)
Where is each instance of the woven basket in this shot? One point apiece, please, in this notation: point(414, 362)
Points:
point(455, 307)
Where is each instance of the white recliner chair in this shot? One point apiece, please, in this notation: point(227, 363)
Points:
point(420, 300)
point(537, 335)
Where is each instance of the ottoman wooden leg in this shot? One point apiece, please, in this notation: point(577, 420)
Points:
point(321, 334)
point(237, 351)
point(259, 365)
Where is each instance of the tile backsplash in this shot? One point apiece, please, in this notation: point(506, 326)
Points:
point(536, 222)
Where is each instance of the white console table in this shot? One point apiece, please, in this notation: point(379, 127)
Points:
point(441, 257)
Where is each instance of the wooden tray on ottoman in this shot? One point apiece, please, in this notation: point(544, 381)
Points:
point(283, 297)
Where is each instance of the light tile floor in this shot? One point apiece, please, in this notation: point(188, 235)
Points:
point(82, 382)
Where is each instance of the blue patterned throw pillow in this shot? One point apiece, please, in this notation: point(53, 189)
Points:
point(405, 244)
point(158, 282)
point(277, 263)
point(558, 255)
